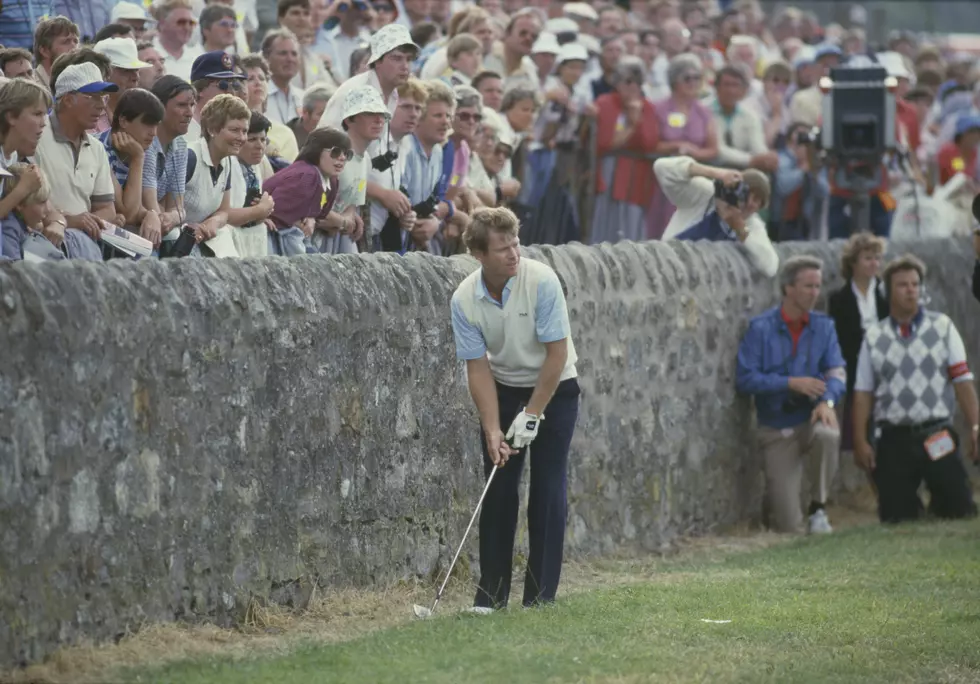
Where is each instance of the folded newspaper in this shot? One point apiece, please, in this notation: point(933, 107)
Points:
point(126, 242)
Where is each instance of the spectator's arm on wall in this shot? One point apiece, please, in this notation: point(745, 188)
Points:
point(758, 248)
point(750, 375)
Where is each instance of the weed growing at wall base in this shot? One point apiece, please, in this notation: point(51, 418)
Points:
point(874, 604)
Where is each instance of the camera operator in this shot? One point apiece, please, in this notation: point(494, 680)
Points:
point(718, 204)
point(791, 362)
point(798, 191)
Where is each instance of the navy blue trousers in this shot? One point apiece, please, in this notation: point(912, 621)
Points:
point(547, 506)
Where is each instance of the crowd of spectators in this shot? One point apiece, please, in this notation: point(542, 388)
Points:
point(392, 120)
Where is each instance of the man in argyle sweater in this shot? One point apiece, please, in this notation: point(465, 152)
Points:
point(910, 367)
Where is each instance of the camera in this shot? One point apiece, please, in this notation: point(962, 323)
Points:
point(251, 196)
point(383, 162)
point(810, 137)
point(426, 207)
point(858, 112)
point(797, 403)
point(736, 196)
point(180, 247)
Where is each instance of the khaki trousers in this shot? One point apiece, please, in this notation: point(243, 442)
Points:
point(785, 453)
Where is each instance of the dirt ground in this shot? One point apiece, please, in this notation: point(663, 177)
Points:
point(338, 615)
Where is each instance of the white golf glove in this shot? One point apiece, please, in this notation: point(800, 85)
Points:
point(524, 429)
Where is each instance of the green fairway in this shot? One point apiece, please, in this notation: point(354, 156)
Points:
point(871, 604)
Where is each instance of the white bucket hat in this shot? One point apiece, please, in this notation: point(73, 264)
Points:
point(389, 38)
point(128, 10)
point(122, 53)
point(364, 99)
point(546, 44)
point(572, 52)
point(580, 10)
point(561, 25)
point(894, 64)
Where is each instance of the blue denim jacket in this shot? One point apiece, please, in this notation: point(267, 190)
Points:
point(766, 362)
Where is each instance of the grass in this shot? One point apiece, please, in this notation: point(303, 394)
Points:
point(869, 604)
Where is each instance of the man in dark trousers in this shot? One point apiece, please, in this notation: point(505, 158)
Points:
point(511, 327)
point(906, 366)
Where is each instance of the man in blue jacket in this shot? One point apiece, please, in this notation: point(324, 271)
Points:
point(791, 362)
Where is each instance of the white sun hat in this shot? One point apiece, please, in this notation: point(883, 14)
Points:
point(364, 99)
point(128, 10)
point(571, 52)
point(122, 53)
point(547, 43)
point(388, 38)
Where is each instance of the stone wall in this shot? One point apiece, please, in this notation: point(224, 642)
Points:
point(176, 438)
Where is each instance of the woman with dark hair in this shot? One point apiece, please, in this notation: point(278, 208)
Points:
point(305, 191)
point(250, 206)
point(134, 127)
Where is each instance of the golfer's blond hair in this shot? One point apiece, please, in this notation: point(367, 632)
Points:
point(489, 220)
point(413, 89)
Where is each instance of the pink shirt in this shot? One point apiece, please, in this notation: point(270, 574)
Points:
point(461, 165)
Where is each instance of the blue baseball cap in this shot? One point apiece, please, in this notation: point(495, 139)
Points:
point(826, 49)
point(966, 122)
point(217, 64)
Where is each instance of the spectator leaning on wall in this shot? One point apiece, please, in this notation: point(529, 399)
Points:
point(791, 362)
point(702, 216)
point(976, 248)
point(904, 371)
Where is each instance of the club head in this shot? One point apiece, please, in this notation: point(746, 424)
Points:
point(421, 612)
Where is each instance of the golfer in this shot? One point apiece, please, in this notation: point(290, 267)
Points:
point(511, 327)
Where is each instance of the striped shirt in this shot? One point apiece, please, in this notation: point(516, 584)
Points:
point(166, 171)
point(120, 169)
point(18, 19)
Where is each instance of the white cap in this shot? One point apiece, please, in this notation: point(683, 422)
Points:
point(572, 51)
point(82, 78)
point(894, 63)
point(364, 99)
point(127, 10)
point(547, 43)
point(388, 38)
point(561, 25)
point(122, 53)
point(580, 10)
point(590, 43)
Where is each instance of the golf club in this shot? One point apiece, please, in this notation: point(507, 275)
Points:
point(422, 611)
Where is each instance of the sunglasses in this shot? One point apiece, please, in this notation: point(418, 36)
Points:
point(467, 117)
point(228, 23)
point(691, 78)
point(341, 152)
point(384, 9)
point(187, 22)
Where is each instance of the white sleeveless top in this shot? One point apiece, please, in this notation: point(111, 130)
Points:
point(204, 194)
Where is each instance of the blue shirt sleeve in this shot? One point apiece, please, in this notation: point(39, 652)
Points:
point(750, 377)
point(470, 344)
point(550, 313)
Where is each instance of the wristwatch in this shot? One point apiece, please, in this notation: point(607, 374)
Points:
point(830, 403)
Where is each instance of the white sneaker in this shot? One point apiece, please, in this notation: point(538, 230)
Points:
point(480, 610)
point(819, 523)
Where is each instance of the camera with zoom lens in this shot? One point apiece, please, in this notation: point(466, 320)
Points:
point(735, 195)
point(182, 246)
point(383, 162)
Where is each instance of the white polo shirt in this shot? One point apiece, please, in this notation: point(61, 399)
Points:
point(79, 177)
point(179, 66)
point(283, 107)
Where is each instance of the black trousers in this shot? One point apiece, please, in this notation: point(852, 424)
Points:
point(547, 506)
point(902, 463)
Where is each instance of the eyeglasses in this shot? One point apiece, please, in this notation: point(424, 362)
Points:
point(228, 23)
point(187, 22)
point(96, 98)
point(338, 152)
point(691, 78)
point(383, 8)
point(467, 117)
